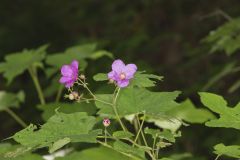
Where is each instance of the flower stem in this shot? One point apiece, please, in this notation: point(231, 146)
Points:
point(116, 112)
point(16, 117)
point(154, 143)
point(33, 74)
point(59, 93)
point(105, 135)
point(127, 139)
point(140, 128)
point(217, 157)
point(141, 125)
point(136, 128)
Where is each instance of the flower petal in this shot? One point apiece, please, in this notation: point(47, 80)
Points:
point(111, 75)
point(64, 80)
point(74, 64)
point(123, 83)
point(118, 66)
point(69, 84)
point(66, 70)
point(130, 70)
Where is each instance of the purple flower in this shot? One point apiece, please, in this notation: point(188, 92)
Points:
point(122, 73)
point(69, 74)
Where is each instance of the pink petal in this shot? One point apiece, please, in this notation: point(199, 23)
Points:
point(130, 70)
point(123, 83)
point(66, 70)
point(69, 84)
point(111, 75)
point(75, 64)
point(118, 66)
point(65, 79)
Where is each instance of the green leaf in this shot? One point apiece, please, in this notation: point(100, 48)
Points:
point(136, 100)
point(123, 147)
point(100, 77)
point(63, 58)
point(188, 112)
point(122, 134)
point(141, 79)
point(165, 122)
point(49, 109)
point(225, 37)
point(229, 117)
point(165, 134)
point(100, 153)
point(80, 53)
point(231, 151)
point(75, 126)
point(59, 144)
point(13, 152)
point(17, 63)
point(99, 54)
point(84, 50)
point(10, 99)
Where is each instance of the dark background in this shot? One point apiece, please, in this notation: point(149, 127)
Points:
point(160, 36)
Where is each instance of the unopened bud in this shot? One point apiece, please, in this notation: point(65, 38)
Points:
point(73, 95)
point(82, 76)
point(106, 122)
point(111, 81)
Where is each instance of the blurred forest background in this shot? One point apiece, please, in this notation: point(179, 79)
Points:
point(161, 36)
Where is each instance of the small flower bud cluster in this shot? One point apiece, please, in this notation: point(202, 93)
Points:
point(73, 96)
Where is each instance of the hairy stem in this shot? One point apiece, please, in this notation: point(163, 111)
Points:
point(105, 135)
point(126, 154)
point(217, 157)
point(129, 140)
point(153, 147)
point(136, 127)
point(141, 125)
point(33, 74)
point(116, 112)
point(59, 93)
point(16, 117)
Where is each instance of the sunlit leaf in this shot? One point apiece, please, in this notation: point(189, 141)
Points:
point(229, 117)
point(136, 100)
point(188, 112)
point(230, 151)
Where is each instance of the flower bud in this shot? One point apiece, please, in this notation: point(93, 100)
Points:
point(82, 76)
point(73, 96)
point(111, 81)
point(106, 122)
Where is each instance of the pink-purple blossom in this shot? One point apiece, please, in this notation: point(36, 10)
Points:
point(69, 74)
point(122, 73)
